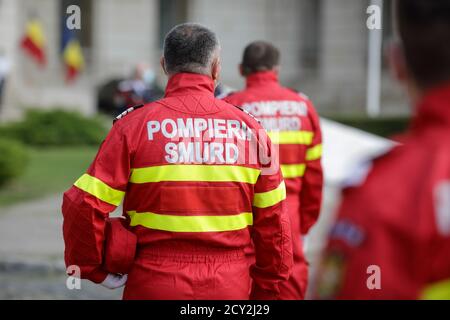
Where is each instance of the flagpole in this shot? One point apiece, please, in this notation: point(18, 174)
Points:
point(374, 66)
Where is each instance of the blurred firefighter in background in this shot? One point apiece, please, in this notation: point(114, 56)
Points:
point(118, 94)
point(392, 236)
point(292, 122)
point(139, 89)
point(188, 199)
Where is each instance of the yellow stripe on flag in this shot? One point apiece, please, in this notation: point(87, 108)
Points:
point(99, 189)
point(35, 32)
point(191, 223)
point(73, 55)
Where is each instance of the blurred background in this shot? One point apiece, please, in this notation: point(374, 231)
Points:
point(59, 89)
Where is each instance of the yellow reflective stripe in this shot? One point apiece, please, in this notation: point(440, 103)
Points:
point(210, 173)
point(314, 153)
point(191, 223)
point(270, 198)
point(293, 170)
point(437, 291)
point(99, 189)
point(291, 137)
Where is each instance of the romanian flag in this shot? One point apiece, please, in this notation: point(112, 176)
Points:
point(33, 41)
point(72, 54)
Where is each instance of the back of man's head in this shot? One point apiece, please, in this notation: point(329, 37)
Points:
point(424, 29)
point(190, 47)
point(259, 56)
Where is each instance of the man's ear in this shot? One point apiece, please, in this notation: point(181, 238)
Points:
point(401, 72)
point(397, 62)
point(215, 69)
point(241, 70)
point(276, 69)
point(163, 65)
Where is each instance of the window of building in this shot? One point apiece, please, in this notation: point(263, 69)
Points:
point(171, 13)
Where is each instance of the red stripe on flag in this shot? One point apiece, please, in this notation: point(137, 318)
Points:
point(34, 51)
point(71, 73)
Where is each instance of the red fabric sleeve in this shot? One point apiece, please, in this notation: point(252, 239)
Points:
point(312, 184)
point(271, 235)
point(85, 214)
point(362, 247)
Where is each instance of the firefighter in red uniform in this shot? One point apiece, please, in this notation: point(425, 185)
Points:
point(195, 191)
point(392, 236)
point(293, 123)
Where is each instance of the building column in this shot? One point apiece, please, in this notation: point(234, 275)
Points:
point(343, 54)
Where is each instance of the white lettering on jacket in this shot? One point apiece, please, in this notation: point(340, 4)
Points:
point(199, 128)
point(273, 108)
point(278, 115)
point(199, 140)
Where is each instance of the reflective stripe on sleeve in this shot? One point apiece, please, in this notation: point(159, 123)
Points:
point(209, 173)
point(270, 198)
point(293, 170)
point(174, 223)
point(99, 189)
point(291, 137)
point(314, 153)
point(437, 291)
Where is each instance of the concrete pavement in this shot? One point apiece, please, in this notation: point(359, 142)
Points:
point(31, 254)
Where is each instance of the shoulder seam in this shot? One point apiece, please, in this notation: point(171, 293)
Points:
point(246, 112)
point(129, 110)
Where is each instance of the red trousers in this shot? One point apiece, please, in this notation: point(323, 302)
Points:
point(169, 273)
point(295, 287)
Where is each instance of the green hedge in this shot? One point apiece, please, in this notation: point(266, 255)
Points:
point(383, 126)
point(55, 128)
point(13, 159)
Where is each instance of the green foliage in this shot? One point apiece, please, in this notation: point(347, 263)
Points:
point(55, 128)
point(13, 159)
point(49, 170)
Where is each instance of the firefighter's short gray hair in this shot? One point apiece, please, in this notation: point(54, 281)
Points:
point(190, 47)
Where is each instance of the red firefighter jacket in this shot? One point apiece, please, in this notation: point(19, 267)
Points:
point(188, 169)
point(293, 124)
point(392, 236)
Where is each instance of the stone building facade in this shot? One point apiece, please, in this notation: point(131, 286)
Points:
point(323, 45)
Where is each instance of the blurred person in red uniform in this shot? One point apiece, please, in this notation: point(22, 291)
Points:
point(392, 236)
point(293, 123)
point(195, 190)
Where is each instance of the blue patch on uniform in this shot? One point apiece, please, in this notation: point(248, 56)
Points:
point(348, 232)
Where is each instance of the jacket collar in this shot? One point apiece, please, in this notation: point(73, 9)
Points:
point(181, 84)
point(262, 78)
point(433, 109)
